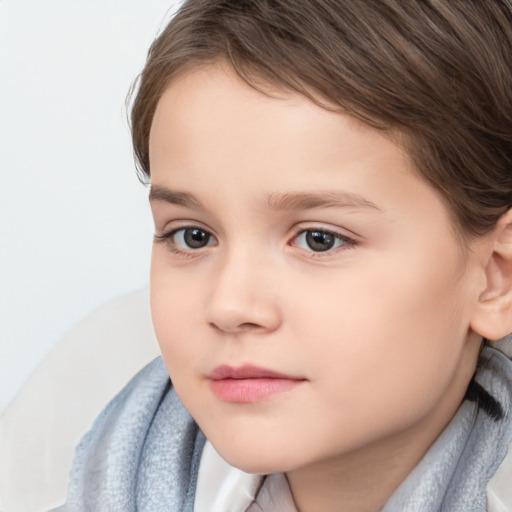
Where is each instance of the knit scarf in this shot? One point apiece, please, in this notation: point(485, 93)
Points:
point(143, 451)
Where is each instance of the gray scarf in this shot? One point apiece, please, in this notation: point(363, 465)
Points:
point(143, 452)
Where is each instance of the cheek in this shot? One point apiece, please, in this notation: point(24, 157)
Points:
point(391, 333)
point(173, 317)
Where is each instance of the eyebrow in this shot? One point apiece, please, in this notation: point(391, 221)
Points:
point(323, 199)
point(173, 197)
point(276, 201)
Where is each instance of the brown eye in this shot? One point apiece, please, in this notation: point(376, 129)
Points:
point(320, 241)
point(192, 238)
point(196, 238)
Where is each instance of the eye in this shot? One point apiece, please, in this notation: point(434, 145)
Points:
point(188, 238)
point(318, 240)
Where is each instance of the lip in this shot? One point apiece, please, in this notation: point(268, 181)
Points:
point(249, 384)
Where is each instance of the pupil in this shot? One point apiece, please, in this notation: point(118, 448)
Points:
point(319, 240)
point(196, 238)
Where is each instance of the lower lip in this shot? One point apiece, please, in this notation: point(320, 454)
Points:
point(250, 390)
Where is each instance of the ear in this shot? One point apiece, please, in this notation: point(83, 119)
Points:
point(493, 315)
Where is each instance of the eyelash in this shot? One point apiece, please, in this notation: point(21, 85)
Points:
point(169, 239)
point(344, 242)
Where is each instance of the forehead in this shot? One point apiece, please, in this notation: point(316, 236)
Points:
point(212, 128)
point(210, 112)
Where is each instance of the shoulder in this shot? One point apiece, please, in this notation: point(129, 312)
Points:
point(141, 393)
point(108, 457)
point(495, 372)
point(133, 407)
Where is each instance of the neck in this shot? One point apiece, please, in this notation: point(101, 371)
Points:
point(361, 481)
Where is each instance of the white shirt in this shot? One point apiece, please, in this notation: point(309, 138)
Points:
point(224, 488)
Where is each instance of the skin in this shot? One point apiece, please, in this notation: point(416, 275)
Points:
point(378, 327)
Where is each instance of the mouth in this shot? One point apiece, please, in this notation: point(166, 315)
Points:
point(249, 384)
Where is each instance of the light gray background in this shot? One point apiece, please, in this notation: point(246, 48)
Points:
point(75, 229)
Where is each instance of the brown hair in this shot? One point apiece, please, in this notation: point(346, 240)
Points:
point(437, 72)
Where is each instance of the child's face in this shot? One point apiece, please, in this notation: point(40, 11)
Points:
point(303, 245)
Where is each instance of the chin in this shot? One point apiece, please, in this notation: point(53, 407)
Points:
point(256, 458)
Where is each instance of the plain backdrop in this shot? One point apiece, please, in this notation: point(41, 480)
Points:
point(75, 227)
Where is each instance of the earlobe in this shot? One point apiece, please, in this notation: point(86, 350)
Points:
point(493, 316)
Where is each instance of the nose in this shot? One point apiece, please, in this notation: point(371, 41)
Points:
point(243, 298)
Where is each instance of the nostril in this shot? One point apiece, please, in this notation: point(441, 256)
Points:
point(238, 327)
point(248, 326)
point(243, 327)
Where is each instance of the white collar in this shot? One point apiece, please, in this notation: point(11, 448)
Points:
point(222, 487)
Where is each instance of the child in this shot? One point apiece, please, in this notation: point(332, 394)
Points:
point(331, 184)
